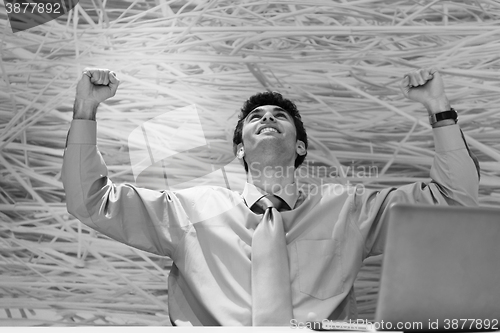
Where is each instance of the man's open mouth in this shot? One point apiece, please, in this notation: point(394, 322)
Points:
point(268, 129)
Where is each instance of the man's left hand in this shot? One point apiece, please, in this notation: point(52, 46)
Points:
point(426, 86)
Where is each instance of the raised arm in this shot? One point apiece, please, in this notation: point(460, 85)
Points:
point(426, 86)
point(149, 220)
point(454, 173)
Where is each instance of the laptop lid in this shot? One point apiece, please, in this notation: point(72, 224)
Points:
point(441, 269)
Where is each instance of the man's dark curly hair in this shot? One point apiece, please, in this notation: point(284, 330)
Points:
point(270, 98)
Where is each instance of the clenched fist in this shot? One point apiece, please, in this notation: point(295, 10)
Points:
point(426, 86)
point(95, 86)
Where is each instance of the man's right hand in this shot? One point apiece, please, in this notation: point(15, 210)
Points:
point(95, 86)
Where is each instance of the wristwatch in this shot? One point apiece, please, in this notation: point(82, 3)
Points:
point(451, 114)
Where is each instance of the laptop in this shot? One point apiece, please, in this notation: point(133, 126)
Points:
point(440, 272)
point(441, 269)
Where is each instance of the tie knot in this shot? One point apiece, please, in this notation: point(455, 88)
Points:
point(269, 201)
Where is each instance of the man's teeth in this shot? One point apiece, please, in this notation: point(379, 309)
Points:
point(268, 129)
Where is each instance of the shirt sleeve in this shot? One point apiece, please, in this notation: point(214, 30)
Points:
point(153, 221)
point(454, 181)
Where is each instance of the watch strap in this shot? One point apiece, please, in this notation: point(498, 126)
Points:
point(450, 114)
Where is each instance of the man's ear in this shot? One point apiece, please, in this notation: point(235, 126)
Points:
point(240, 151)
point(300, 148)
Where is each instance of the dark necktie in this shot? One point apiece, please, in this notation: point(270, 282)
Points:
point(271, 291)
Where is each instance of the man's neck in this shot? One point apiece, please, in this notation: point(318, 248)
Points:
point(272, 179)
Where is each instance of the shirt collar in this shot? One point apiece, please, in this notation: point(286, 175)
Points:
point(252, 194)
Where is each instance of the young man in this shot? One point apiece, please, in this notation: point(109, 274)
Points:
point(271, 254)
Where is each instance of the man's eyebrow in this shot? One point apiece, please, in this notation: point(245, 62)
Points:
point(259, 108)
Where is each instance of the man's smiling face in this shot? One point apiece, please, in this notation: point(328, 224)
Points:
point(269, 130)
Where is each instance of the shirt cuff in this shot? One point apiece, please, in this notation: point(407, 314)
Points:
point(448, 138)
point(82, 132)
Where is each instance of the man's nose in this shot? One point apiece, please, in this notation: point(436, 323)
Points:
point(268, 116)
